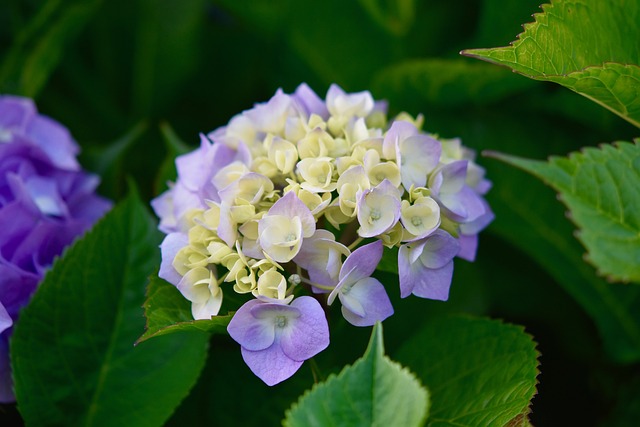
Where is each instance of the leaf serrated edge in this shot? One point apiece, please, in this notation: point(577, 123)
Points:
point(521, 329)
point(577, 156)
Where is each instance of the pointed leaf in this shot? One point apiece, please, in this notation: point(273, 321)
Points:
point(374, 391)
point(601, 187)
point(73, 351)
point(589, 46)
point(480, 372)
point(168, 311)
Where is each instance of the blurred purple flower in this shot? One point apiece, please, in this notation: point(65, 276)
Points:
point(46, 202)
point(364, 299)
point(277, 338)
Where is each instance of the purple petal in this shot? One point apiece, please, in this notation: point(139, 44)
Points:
point(163, 208)
point(309, 333)
point(439, 249)
point(6, 382)
point(321, 256)
point(193, 169)
point(373, 298)
point(170, 246)
point(464, 206)
point(423, 151)
point(290, 206)
point(434, 283)
point(480, 223)
point(312, 104)
point(16, 112)
point(5, 320)
point(55, 140)
point(250, 332)
point(362, 262)
point(468, 247)
point(16, 287)
point(421, 281)
point(270, 116)
point(399, 131)
point(454, 175)
point(271, 365)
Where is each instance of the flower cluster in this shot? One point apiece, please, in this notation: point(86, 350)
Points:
point(46, 201)
point(303, 193)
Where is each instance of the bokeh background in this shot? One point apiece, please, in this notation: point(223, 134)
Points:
point(136, 81)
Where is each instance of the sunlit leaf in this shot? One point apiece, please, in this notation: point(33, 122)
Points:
point(589, 46)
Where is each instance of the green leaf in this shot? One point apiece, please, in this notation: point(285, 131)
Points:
point(39, 47)
point(589, 46)
point(73, 353)
point(167, 311)
point(480, 372)
point(445, 82)
point(601, 187)
point(374, 391)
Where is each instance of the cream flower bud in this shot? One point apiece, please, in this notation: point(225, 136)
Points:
point(340, 147)
point(281, 236)
point(356, 131)
point(334, 215)
point(314, 201)
point(189, 257)
point(357, 104)
point(350, 185)
point(317, 174)
point(200, 286)
point(273, 286)
point(379, 171)
point(264, 166)
point(218, 251)
point(250, 188)
point(421, 218)
point(230, 173)
point(282, 154)
point(315, 144)
point(378, 209)
point(393, 236)
point(245, 281)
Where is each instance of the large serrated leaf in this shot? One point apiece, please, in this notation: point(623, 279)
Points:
point(373, 392)
point(601, 187)
point(73, 353)
point(167, 311)
point(589, 46)
point(480, 372)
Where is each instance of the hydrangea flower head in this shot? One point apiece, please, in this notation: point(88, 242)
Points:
point(46, 202)
point(251, 209)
